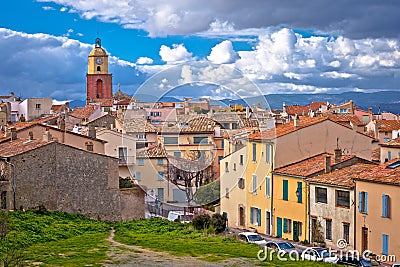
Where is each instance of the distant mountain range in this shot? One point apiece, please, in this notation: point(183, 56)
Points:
point(379, 101)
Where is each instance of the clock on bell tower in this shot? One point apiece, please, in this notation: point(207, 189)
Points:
point(98, 80)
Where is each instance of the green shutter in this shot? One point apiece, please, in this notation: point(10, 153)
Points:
point(285, 189)
point(300, 192)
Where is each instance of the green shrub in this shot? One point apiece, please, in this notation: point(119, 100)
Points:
point(201, 222)
point(218, 223)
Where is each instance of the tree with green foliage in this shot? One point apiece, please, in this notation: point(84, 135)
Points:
point(208, 194)
point(10, 255)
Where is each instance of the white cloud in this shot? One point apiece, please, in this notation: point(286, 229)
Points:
point(47, 8)
point(176, 54)
point(223, 53)
point(63, 9)
point(144, 60)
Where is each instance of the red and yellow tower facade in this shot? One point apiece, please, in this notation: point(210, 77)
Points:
point(98, 80)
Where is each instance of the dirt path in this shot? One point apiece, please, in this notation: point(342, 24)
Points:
point(126, 255)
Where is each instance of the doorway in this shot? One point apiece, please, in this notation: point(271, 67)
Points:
point(364, 239)
point(241, 216)
point(268, 222)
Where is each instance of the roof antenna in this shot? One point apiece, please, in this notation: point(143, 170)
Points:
point(337, 142)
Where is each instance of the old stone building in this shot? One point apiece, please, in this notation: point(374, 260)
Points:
point(64, 178)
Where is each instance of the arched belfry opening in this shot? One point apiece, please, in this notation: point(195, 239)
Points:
point(99, 88)
point(98, 68)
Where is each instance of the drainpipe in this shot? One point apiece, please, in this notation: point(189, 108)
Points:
point(308, 211)
point(14, 177)
point(355, 216)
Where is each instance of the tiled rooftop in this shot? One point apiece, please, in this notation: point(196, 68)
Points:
point(105, 102)
point(19, 146)
point(152, 152)
point(286, 128)
point(388, 125)
point(84, 112)
point(388, 173)
point(310, 166)
point(342, 177)
point(314, 106)
point(138, 125)
point(299, 110)
point(392, 143)
point(194, 124)
point(347, 118)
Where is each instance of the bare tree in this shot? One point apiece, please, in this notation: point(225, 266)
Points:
point(188, 174)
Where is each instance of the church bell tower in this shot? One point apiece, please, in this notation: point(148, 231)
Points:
point(98, 80)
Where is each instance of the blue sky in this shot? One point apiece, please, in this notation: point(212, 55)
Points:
point(279, 46)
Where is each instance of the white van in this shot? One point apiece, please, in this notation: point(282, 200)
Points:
point(179, 216)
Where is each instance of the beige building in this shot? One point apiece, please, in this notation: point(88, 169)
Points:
point(390, 150)
point(233, 188)
point(123, 147)
point(141, 129)
point(32, 108)
point(377, 217)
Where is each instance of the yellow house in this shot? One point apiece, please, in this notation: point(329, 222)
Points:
point(377, 217)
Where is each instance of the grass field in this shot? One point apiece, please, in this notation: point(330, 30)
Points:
point(59, 239)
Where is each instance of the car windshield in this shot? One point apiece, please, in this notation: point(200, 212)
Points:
point(255, 238)
point(323, 253)
point(285, 245)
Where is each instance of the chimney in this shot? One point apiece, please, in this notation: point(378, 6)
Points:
point(46, 136)
point(296, 121)
point(376, 130)
point(92, 132)
point(327, 164)
point(338, 155)
point(370, 110)
point(31, 135)
point(13, 134)
point(61, 124)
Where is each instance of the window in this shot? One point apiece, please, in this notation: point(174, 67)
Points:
point(178, 154)
point(140, 162)
point(160, 176)
point(226, 166)
point(241, 183)
point(38, 106)
point(170, 140)
point(254, 184)
point(255, 216)
point(141, 136)
point(234, 166)
point(160, 161)
point(299, 228)
point(254, 152)
point(268, 153)
point(342, 198)
point(299, 192)
point(3, 200)
point(234, 125)
point(285, 189)
point(346, 232)
point(385, 140)
point(155, 114)
point(89, 146)
point(328, 229)
point(227, 192)
point(219, 159)
point(241, 160)
point(385, 206)
point(287, 225)
point(321, 195)
point(389, 155)
point(385, 244)
point(200, 140)
point(122, 153)
point(160, 194)
point(268, 186)
point(138, 176)
point(363, 202)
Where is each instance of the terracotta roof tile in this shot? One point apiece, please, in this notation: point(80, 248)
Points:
point(346, 118)
point(19, 146)
point(376, 154)
point(286, 128)
point(299, 110)
point(310, 166)
point(392, 143)
point(314, 106)
point(124, 102)
point(194, 124)
point(342, 177)
point(84, 112)
point(104, 102)
point(152, 152)
point(138, 125)
point(388, 173)
point(388, 125)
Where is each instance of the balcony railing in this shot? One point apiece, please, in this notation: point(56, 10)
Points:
point(126, 160)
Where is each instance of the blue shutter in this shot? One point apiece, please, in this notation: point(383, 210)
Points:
point(366, 202)
point(389, 155)
point(300, 192)
point(285, 189)
point(268, 153)
point(268, 186)
point(285, 225)
point(251, 215)
point(259, 217)
point(385, 244)
point(254, 152)
point(360, 207)
point(254, 189)
point(385, 206)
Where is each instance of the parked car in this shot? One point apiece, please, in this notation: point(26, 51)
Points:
point(180, 216)
point(352, 261)
point(396, 264)
point(283, 246)
point(318, 254)
point(250, 237)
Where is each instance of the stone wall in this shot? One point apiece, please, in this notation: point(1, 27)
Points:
point(67, 179)
point(132, 203)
